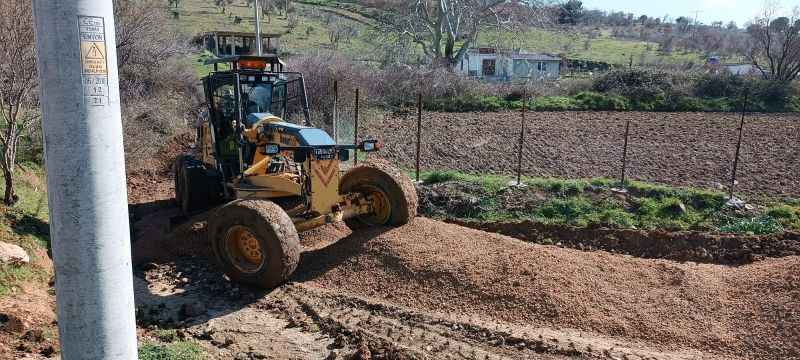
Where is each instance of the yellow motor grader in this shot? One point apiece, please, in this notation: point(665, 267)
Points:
point(274, 178)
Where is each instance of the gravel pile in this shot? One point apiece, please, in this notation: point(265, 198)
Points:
point(752, 310)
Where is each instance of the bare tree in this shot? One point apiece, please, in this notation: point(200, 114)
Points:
point(446, 29)
point(775, 48)
point(18, 84)
point(145, 39)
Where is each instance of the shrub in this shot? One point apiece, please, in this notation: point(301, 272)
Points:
point(555, 103)
point(764, 95)
point(719, 86)
point(783, 212)
point(685, 103)
point(638, 85)
point(597, 101)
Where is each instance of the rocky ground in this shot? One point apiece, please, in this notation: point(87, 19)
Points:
point(686, 149)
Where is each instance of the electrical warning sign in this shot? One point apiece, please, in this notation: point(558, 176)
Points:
point(93, 58)
point(94, 63)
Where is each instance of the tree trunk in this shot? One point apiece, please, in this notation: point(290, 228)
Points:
point(10, 196)
point(8, 161)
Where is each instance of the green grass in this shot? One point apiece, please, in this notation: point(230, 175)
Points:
point(25, 224)
point(603, 48)
point(490, 183)
point(753, 226)
point(180, 350)
point(587, 202)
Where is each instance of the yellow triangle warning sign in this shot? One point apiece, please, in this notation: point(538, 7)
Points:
point(93, 58)
point(95, 53)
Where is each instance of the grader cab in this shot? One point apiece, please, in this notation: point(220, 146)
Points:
point(274, 174)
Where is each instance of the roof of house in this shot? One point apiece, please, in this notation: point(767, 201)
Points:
point(238, 33)
point(514, 54)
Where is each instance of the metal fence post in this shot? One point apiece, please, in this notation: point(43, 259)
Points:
point(335, 111)
point(355, 131)
point(625, 155)
point(521, 141)
point(85, 160)
point(419, 131)
point(738, 144)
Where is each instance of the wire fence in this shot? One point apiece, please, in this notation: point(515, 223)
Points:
point(746, 154)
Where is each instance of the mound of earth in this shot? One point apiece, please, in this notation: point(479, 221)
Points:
point(750, 311)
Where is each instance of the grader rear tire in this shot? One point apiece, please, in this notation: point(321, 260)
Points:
point(196, 189)
point(391, 191)
point(255, 242)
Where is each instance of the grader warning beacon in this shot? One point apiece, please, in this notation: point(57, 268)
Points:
point(274, 178)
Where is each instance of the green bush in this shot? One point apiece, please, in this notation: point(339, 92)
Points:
point(686, 103)
point(723, 85)
point(555, 103)
point(763, 95)
point(597, 101)
point(638, 85)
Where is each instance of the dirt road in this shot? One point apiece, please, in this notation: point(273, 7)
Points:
point(435, 290)
point(687, 149)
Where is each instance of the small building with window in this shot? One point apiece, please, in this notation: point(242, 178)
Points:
point(232, 43)
point(508, 65)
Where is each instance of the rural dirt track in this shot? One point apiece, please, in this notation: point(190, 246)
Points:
point(436, 290)
point(687, 149)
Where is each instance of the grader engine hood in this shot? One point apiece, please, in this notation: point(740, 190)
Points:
point(311, 147)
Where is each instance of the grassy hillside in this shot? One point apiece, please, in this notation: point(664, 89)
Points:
point(26, 225)
point(316, 18)
point(309, 34)
point(603, 48)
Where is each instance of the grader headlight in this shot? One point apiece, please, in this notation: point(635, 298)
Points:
point(271, 149)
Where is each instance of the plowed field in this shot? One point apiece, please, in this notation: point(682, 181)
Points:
point(686, 149)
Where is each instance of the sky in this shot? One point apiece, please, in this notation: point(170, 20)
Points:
point(739, 11)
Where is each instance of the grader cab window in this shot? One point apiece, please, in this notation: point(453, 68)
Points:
point(223, 103)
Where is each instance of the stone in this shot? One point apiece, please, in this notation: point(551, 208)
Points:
point(14, 324)
point(10, 253)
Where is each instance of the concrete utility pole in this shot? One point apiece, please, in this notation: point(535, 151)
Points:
point(259, 51)
point(82, 125)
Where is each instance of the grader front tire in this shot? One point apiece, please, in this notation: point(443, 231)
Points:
point(255, 242)
point(393, 195)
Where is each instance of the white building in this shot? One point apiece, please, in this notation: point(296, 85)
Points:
point(507, 65)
